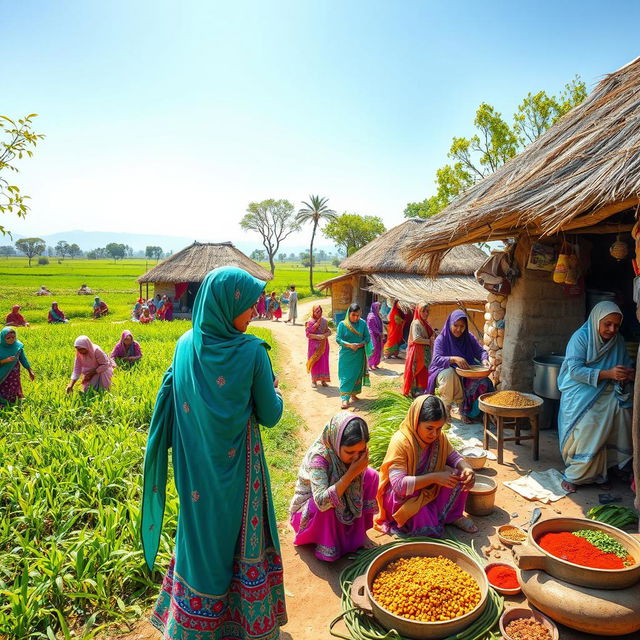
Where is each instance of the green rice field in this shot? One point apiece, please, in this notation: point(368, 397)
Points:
point(70, 465)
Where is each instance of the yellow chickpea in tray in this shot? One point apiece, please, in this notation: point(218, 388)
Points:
point(426, 589)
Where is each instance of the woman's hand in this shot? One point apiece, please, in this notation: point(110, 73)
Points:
point(619, 373)
point(446, 479)
point(468, 478)
point(460, 362)
point(276, 382)
point(8, 360)
point(32, 375)
point(360, 465)
point(69, 388)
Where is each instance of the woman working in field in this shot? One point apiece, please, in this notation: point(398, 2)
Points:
point(145, 316)
point(93, 364)
point(11, 358)
point(594, 422)
point(15, 318)
point(416, 366)
point(394, 331)
point(318, 332)
point(100, 308)
point(355, 342)
point(424, 481)
point(56, 315)
point(225, 579)
point(335, 496)
point(126, 349)
point(456, 347)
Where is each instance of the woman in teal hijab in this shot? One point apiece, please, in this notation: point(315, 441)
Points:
point(225, 579)
point(355, 346)
point(11, 357)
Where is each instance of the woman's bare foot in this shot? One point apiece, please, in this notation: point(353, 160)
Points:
point(344, 405)
point(314, 385)
point(569, 486)
point(354, 398)
point(465, 524)
point(324, 383)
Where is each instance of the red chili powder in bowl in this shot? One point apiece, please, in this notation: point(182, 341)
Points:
point(503, 577)
point(566, 546)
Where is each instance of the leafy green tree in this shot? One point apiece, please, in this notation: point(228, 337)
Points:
point(315, 211)
point(31, 247)
point(351, 231)
point(62, 249)
point(153, 252)
point(292, 257)
point(17, 139)
point(274, 221)
point(7, 250)
point(258, 255)
point(74, 250)
point(282, 257)
point(494, 143)
point(116, 250)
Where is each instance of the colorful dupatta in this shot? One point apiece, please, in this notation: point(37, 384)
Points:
point(394, 330)
point(404, 452)
point(418, 354)
point(8, 351)
point(327, 447)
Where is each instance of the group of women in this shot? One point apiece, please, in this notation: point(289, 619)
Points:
point(269, 306)
point(158, 308)
point(219, 388)
point(92, 366)
point(55, 314)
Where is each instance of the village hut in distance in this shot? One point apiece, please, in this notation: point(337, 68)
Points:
point(179, 276)
point(380, 269)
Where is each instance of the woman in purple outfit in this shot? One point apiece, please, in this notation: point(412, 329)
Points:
point(457, 347)
point(376, 329)
point(335, 495)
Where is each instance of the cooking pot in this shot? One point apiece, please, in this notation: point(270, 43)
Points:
point(546, 369)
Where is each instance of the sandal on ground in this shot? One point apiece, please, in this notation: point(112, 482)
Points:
point(465, 524)
point(324, 383)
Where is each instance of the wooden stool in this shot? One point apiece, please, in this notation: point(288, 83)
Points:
point(508, 418)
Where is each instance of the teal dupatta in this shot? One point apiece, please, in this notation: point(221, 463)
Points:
point(9, 350)
point(217, 390)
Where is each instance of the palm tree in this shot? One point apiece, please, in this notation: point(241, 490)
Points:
point(314, 211)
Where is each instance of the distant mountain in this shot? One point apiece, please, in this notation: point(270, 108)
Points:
point(88, 240)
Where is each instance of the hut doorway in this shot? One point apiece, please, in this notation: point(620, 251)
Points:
point(192, 292)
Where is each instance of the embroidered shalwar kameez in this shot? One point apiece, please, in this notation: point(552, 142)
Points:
point(225, 580)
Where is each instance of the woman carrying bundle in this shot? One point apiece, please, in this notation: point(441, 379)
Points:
point(394, 331)
point(126, 349)
point(416, 366)
point(11, 358)
point(318, 332)
point(424, 481)
point(93, 364)
point(335, 495)
point(457, 347)
point(355, 342)
point(594, 422)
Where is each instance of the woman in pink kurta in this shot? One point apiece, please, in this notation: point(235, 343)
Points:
point(93, 364)
point(318, 332)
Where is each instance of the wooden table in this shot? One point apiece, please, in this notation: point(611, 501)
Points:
point(508, 418)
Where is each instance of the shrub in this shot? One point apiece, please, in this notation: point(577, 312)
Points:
point(43, 260)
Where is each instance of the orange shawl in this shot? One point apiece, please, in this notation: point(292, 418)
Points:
point(404, 452)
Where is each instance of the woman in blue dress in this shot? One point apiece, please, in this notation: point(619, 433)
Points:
point(225, 579)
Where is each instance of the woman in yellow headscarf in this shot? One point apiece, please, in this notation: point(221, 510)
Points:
point(424, 481)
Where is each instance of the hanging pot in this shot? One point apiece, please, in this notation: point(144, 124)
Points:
point(619, 249)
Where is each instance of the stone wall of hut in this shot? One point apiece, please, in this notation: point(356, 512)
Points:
point(539, 318)
point(494, 323)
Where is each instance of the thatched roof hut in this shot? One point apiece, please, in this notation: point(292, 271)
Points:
point(179, 276)
point(192, 263)
point(381, 268)
point(582, 171)
point(579, 182)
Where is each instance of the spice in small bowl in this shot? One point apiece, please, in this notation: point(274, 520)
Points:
point(509, 534)
point(521, 623)
point(503, 578)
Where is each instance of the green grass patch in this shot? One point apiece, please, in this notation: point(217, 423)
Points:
point(70, 485)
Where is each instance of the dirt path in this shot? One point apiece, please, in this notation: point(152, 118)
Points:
point(312, 589)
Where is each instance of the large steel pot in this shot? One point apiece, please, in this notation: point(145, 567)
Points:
point(532, 556)
point(362, 597)
point(545, 376)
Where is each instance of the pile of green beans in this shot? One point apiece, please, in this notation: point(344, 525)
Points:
point(364, 627)
point(603, 541)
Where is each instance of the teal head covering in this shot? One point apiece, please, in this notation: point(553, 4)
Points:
point(8, 350)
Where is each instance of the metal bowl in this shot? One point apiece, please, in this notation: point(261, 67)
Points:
point(474, 371)
point(362, 597)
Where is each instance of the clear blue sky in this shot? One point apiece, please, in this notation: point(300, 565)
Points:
point(172, 116)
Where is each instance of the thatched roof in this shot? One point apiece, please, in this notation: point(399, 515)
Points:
point(581, 171)
point(384, 254)
point(411, 289)
point(194, 262)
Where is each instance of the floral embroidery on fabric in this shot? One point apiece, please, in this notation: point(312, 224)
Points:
point(236, 295)
point(231, 453)
point(186, 407)
point(256, 485)
point(221, 381)
point(195, 496)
